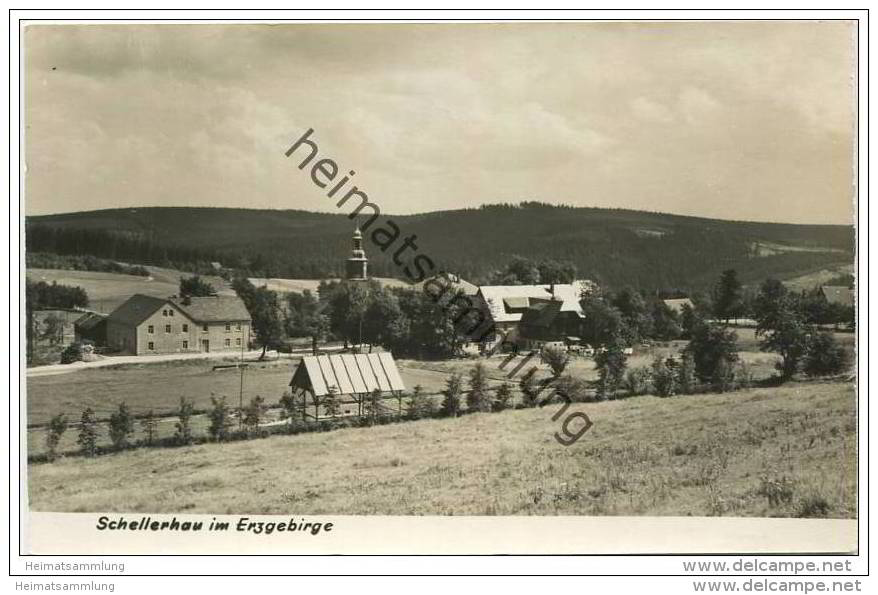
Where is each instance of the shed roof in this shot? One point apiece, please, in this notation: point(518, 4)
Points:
point(348, 373)
point(89, 320)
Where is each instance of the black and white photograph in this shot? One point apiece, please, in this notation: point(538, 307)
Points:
point(296, 271)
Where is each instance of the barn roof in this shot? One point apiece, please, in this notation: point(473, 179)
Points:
point(449, 280)
point(676, 304)
point(89, 320)
point(348, 373)
point(214, 308)
point(503, 298)
point(838, 294)
point(136, 309)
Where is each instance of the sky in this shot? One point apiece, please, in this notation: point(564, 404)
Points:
point(732, 120)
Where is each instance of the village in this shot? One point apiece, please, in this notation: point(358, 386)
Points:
point(214, 366)
point(545, 316)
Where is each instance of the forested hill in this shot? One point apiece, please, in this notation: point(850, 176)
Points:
point(611, 246)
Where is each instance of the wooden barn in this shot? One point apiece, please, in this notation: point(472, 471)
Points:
point(352, 379)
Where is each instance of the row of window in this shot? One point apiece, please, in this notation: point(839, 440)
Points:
point(150, 346)
point(151, 329)
point(167, 312)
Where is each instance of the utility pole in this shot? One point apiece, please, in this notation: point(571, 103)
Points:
point(241, 391)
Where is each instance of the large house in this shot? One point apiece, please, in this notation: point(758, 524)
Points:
point(506, 305)
point(151, 325)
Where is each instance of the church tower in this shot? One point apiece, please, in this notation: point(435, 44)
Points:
point(357, 264)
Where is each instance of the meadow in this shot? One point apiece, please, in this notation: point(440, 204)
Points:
point(787, 451)
point(106, 291)
point(159, 386)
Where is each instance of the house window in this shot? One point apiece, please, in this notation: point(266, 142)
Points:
point(185, 344)
point(185, 328)
point(238, 326)
point(204, 328)
point(238, 341)
point(170, 312)
point(228, 327)
point(150, 346)
point(150, 329)
point(228, 343)
point(164, 312)
point(167, 328)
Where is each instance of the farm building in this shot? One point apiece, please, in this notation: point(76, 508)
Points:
point(353, 379)
point(838, 295)
point(677, 304)
point(149, 325)
point(505, 305)
point(545, 324)
point(91, 326)
point(449, 283)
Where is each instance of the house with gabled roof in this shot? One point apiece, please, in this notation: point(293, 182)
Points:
point(506, 305)
point(145, 324)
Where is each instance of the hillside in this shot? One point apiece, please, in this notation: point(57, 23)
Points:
point(613, 247)
point(700, 455)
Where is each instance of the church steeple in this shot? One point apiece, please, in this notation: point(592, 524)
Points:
point(357, 264)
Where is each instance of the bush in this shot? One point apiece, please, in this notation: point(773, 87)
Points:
point(72, 353)
point(255, 410)
point(714, 351)
point(663, 380)
point(743, 375)
point(418, 405)
point(557, 359)
point(611, 364)
point(825, 357)
point(331, 404)
point(56, 429)
point(121, 426)
point(220, 419)
point(477, 399)
point(570, 389)
point(686, 381)
point(290, 407)
point(372, 407)
point(637, 381)
point(813, 505)
point(88, 433)
point(503, 397)
point(452, 393)
point(183, 435)
point(723, 379)
point(530, 388)
point(778, 491)
point(149, 425)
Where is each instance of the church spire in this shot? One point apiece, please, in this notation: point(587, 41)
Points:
point(357, 265)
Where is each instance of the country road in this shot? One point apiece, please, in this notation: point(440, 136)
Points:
point(117, 360)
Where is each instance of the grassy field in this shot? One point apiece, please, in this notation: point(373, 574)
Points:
point(788, 451)
point(159, 386)
point(818, 277)
point(107, 290)
point(300, 285)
